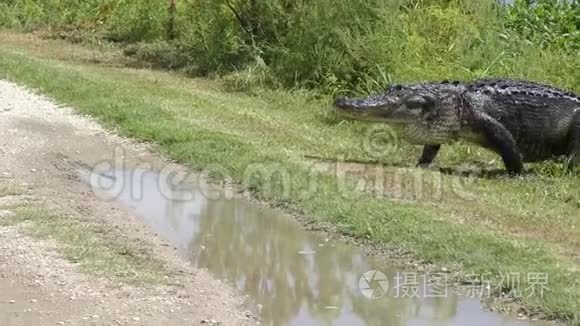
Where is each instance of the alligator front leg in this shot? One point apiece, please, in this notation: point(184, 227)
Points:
point(428, 155)
point(499, 139)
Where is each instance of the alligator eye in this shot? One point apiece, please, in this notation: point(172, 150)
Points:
point(396, 87)
point(423, 102)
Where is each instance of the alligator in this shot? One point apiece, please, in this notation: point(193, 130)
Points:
point(522, 121)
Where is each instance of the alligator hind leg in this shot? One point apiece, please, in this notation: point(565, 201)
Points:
point(429, 154)
point(573, 160)
point(498, 138)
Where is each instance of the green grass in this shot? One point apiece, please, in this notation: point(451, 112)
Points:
point(10, 189)
point(93, 247)
point(96, 248)
point(523, 225)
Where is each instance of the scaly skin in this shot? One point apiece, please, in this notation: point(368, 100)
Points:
point(522, 121)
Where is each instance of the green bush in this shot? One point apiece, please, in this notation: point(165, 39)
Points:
point(160, 54)
point(135, 21)
point(548, 23)
point(253, 79)
point(210, 34)
point(336, 46)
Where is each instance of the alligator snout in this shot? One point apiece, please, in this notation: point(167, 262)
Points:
point(348, 104)
point(363, 104)
point(341, 102)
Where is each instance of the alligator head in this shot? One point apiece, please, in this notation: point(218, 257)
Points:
point(420, 111)
point(400, 104)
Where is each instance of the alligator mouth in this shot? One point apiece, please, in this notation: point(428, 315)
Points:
point(347, 104)
point(366, 109)
point(352, 113)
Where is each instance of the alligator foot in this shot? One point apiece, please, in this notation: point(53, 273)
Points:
point(429, 154)
point(573, 160)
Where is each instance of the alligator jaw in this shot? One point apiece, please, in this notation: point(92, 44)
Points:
point(372, 109)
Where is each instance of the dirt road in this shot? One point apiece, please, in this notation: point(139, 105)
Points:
point(40, 146)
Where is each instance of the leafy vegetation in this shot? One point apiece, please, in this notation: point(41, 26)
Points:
point(548, 23)
point(337, 46)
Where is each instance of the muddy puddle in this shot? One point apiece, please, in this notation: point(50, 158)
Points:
point(295, 277)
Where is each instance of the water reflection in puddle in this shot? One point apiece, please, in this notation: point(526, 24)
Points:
point(296, 276)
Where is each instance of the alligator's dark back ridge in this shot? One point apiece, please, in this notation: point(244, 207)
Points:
point(499, 86)
point(513, 87)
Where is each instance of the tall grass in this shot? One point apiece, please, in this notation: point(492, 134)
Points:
point(337, 46)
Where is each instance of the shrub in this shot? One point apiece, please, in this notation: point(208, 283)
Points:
point(334, 46)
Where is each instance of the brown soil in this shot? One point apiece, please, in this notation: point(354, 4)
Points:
point(41, 145)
